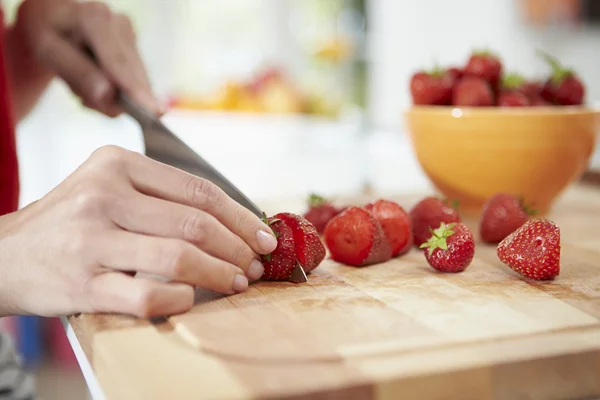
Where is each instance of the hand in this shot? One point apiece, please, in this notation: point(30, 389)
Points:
point(56, 32)
point(119, 213)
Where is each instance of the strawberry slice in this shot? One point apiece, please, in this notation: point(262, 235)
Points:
point(356, 238)
point(533, 250)
point(282, 261)
point(308, 246)
point(396, 224)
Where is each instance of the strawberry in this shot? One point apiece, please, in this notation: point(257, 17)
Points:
point(512, 93)
point(427, 214)
point(454, 73)
point(533, 250)
point(502, 214)
point(320, 211)
point(472, 91)
point(563, 87)
point(513, 98)
point(431, 88)
point(450, 248)
point(532, 89)
point(309, 249)
point(485, 65)
point(356, 238)
point(282, 261)
point(396, 224)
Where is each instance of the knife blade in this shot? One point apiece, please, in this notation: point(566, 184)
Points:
point(165, 147)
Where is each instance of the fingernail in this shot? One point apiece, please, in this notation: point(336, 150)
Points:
point(100, 91)
point(240, 283)
point(266, 241)
point(256, 270)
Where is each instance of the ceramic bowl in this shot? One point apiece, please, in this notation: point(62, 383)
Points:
point(472, 153)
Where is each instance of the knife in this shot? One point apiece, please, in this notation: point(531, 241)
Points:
point(164, 146)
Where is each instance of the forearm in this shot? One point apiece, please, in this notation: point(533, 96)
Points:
point(28, 79)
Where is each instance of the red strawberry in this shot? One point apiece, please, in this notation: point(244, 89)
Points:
point(513, 98)
point(450, 248)
point(320, 211)
point(454, 73)
point(564, 86)
point(431, 88)
point(309, 249)
point(533, 250)
point(485, 65)
point(395, 223)
point(471, 91)
point(428, 214)
point(502, 214)
point(532, 89)
point(356, 238)
point(282, 261)
point(539, 101)
point(512, 93)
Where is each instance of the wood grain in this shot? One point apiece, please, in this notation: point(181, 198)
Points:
point(388, 331)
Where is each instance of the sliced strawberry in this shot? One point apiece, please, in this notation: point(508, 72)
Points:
point(308, 246)
point(533, 250)
point(356, 238)
point(395, 222)
point(282, 261)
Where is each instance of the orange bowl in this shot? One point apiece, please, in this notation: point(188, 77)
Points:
point(470, 154)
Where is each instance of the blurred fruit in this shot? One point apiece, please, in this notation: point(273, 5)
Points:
point(472, 91)
point(431, 88)
point(485, 65)
point(563, 87)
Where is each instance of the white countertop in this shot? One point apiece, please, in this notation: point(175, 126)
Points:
point(266, 156)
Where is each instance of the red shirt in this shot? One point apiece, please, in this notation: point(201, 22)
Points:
point(9, 167)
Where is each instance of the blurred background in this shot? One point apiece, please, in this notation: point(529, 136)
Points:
point(287, 97)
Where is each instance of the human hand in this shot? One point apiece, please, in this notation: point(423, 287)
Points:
point(76, 249)
point(56, 33)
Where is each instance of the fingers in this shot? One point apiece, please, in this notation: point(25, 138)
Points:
point(114, 292)
point(84, 78)
point(173, 259)
point(156, 217)
point(168, 183)
point(112, 38)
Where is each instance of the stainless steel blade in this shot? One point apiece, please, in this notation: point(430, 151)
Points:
point(164, 146)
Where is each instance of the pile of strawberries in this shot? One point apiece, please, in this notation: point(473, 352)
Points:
point(482, 82)
point(379, 231)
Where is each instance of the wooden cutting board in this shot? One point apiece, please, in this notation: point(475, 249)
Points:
point(397, 330)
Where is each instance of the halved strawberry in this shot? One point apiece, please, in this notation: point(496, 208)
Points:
point(356, 238)
point(533, 250)
point(308, 246)
point(396, 224)
point(282, 261)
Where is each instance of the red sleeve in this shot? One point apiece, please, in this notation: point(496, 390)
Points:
point(9, 167)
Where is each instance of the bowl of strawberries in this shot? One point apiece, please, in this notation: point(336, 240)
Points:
point(477, 131)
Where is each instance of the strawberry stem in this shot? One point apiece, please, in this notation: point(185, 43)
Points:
point(527, 208)
point(438, 237)
point(315, 200)
point(559, 72)
point(512, 81)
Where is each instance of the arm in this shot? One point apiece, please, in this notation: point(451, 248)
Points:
point(28, 79)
